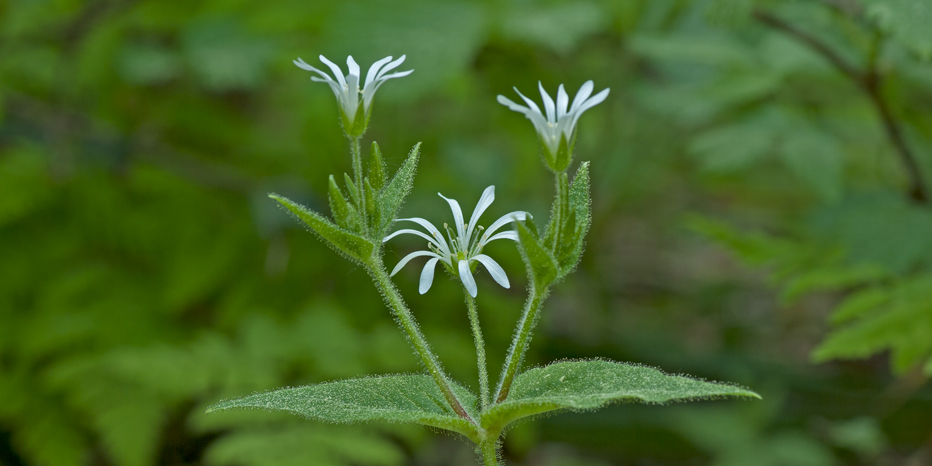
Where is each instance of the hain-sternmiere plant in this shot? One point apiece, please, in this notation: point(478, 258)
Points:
point(363, 213)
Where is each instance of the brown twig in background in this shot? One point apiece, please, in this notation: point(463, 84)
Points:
point(870, 81)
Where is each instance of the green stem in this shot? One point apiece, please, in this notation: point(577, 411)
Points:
point(406, 320)
point(561, 207)
point(521, 341)
point(480, 351)
point(489, 449)
point(358, 177)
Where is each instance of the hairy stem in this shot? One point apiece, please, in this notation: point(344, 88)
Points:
point(480, 351)
point(406, 320)
point(870, 82)
point(521, 341)
point(489, 450)
point(358, 177)
point(561, 208)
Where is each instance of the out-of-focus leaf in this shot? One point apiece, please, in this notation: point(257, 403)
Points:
point(736, 146)
point(537, 23)
point(148, 64)
point(224, 58)
point(816, 159)
point(904, 326)
point(300, 444)
point(394, 398)
point(583, 385)
point(906, 20)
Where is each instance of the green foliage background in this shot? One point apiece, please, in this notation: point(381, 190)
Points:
point(753, 222)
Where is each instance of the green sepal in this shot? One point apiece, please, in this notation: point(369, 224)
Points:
point(560, 161)
point(353, 246)
point(351, 187)
point(541, 266)
point(343, 213)
point(412, 398)
point(397, 190)
point(359, 124)
point(591, 384)
point(374, 212)
point(573, 238)
point(376, 167)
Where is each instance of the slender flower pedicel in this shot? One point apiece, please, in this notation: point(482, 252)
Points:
point(346, 89)
point(464, 247)
point(557, 129)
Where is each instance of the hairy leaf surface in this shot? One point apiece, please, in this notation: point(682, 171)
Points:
point(590, 384)
point(413, 398)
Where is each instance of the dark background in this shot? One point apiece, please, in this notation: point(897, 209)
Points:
point(759, 217)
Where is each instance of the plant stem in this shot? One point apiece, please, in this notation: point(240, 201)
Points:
point(489, 449)
point(406, 320)
point(480, 351)
point(521, 341)
point(561, 207)
point(870, 82)
point(357, 175)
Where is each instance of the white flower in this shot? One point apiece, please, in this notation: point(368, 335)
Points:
point(464, 247)
point(559, 122)
point(346, 89)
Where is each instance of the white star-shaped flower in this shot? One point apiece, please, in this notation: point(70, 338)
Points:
point(464, 246)
point(557, 123)
point(346, 89)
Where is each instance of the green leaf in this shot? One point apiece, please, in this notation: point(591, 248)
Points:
point(591, 384)
point(735, 146)
point(542, 267)
point(354, 246)
point(907, 20)
point(372, 209)
point(859, 304)
point(903, 326)
point(344, 214)
point(393, 398)
point(577, 225)
point(376, 167)
point(397, 190)
point(816, 159)
point(351, 187)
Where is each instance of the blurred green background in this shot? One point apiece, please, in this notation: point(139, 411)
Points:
point(758, 218)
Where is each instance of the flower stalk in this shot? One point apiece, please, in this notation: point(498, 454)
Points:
point(480, 351)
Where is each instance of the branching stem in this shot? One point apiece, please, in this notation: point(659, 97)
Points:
point(480, 351)
point(489, 449)
point(871, 83)
point(406, 320)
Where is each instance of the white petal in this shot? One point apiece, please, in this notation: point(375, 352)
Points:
point(562, 101)
point(584, 92)
point(404, 260)
point(427, 276)
point(438, 241)
point(512, 235)
point(484, 202)
point(495, 270)
point(390, 66)
point(374, 69)
point(408, 231)
point(504, 219)
point(466, 277)
point(353, 67)
point(530, 103)
point(548, 104)
point(595, 100)
point(537, 119)
point(337, 72)
point(458, 219)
